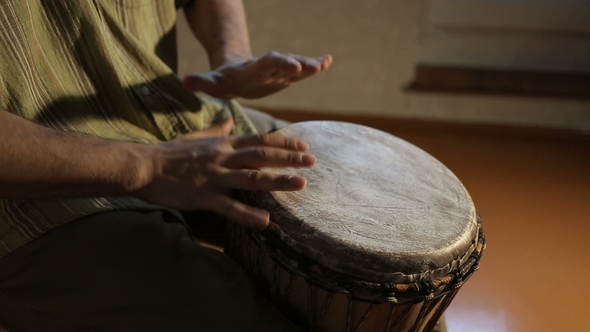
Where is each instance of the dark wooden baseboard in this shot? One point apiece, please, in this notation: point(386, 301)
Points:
point(411, 127)
point(501, 82)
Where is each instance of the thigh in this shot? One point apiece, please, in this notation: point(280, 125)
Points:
point(127, 271)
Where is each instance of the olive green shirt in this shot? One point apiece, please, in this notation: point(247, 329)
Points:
point(101, 67)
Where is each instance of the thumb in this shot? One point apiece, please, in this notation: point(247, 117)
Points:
point(200, 82)
point(193, 82)
point(222, 128)
point(207, 83)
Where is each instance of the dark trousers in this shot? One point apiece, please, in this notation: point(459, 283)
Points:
point(128, 271)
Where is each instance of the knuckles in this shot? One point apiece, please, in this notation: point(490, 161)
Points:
point(254, 175)
point(294, 157)
point(265, 139)
point(277, 140)
point(262, 153)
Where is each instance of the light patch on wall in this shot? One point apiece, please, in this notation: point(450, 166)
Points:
point(550, 35)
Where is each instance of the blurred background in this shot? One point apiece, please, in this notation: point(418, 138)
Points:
point(499, 91)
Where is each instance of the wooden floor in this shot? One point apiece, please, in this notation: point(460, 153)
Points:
point(532, 188)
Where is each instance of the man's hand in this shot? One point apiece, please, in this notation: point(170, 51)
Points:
point(193, 172)
point(257, 77)
point(198, 170)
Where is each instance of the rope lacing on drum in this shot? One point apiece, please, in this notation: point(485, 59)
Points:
point(388, 289)
point(364, 290)
point(457, 276)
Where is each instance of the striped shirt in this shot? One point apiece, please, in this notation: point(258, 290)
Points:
point(101, 67)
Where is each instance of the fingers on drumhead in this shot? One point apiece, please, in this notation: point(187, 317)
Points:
point(257, 180)
point(258, 157)
point(271, 140)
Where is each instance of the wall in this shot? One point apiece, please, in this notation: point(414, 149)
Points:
point(374, 45)
point(549, 35)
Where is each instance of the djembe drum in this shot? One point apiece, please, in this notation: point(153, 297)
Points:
point(381, 239)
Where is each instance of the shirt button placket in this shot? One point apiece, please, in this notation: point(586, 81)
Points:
point(146, 97)
point(144, 90)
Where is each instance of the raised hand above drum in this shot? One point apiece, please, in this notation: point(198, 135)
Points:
point(197, 171)
point(256, 77)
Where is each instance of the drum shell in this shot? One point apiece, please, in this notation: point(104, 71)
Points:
point(318, 306)
point(381, 239)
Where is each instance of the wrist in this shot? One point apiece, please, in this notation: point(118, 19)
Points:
point(140, 167)
point(220, 58)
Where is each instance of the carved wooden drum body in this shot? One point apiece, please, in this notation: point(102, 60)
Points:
point(381, 239)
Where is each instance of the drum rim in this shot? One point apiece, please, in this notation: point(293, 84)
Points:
point(408, 266)
point(397, 276)
point(363, 289)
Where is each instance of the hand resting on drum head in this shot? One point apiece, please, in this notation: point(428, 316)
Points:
point(197, 171)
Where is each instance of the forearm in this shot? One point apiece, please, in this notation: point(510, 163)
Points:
point(220, 26)
point(38, 162)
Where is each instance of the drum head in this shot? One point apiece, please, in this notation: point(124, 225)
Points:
point(375, 206)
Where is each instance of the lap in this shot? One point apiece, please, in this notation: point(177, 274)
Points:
point(127, 271)
point(264, 122)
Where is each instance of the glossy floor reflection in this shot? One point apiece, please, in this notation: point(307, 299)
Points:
point(534, 198)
